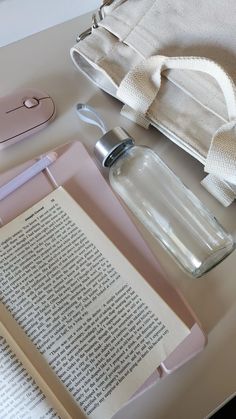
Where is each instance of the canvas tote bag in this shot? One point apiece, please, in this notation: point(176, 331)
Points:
point(173, 65)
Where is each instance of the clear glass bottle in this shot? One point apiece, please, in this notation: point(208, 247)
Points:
point(157, 197)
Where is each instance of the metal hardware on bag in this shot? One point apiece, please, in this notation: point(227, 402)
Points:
point(105, 3)
point(96, 18)
point(94, 21)
point(84, 34)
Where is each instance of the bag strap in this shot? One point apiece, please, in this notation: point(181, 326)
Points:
point(221, 190)
point(141, 84)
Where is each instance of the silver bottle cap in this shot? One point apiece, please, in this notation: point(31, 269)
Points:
point(111, 145)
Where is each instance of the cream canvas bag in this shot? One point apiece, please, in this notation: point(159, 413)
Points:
point(173, 64)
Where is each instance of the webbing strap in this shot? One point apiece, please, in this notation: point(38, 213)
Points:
point(140, 87)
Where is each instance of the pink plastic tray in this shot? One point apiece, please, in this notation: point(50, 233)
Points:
point(76, 171)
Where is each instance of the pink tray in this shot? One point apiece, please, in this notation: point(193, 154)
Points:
point(76, 171)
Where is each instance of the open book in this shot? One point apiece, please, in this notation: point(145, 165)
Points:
point(76, 314)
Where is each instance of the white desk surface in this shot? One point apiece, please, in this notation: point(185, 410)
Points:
point(43, 61)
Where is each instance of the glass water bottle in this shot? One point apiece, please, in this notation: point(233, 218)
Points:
point(157, 197)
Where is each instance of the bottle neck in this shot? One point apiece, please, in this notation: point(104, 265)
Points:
point(112, 145)
point(119, 151)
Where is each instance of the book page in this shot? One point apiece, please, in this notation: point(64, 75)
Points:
point(96, 321)
point(20, 397)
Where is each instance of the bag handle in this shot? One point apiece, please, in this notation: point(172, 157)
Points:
point(141, 84)
point(140, 87)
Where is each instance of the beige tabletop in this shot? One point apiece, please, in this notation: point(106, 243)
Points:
point(43, 61)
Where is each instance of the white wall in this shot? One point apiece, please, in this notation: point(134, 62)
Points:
point(20, 18)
